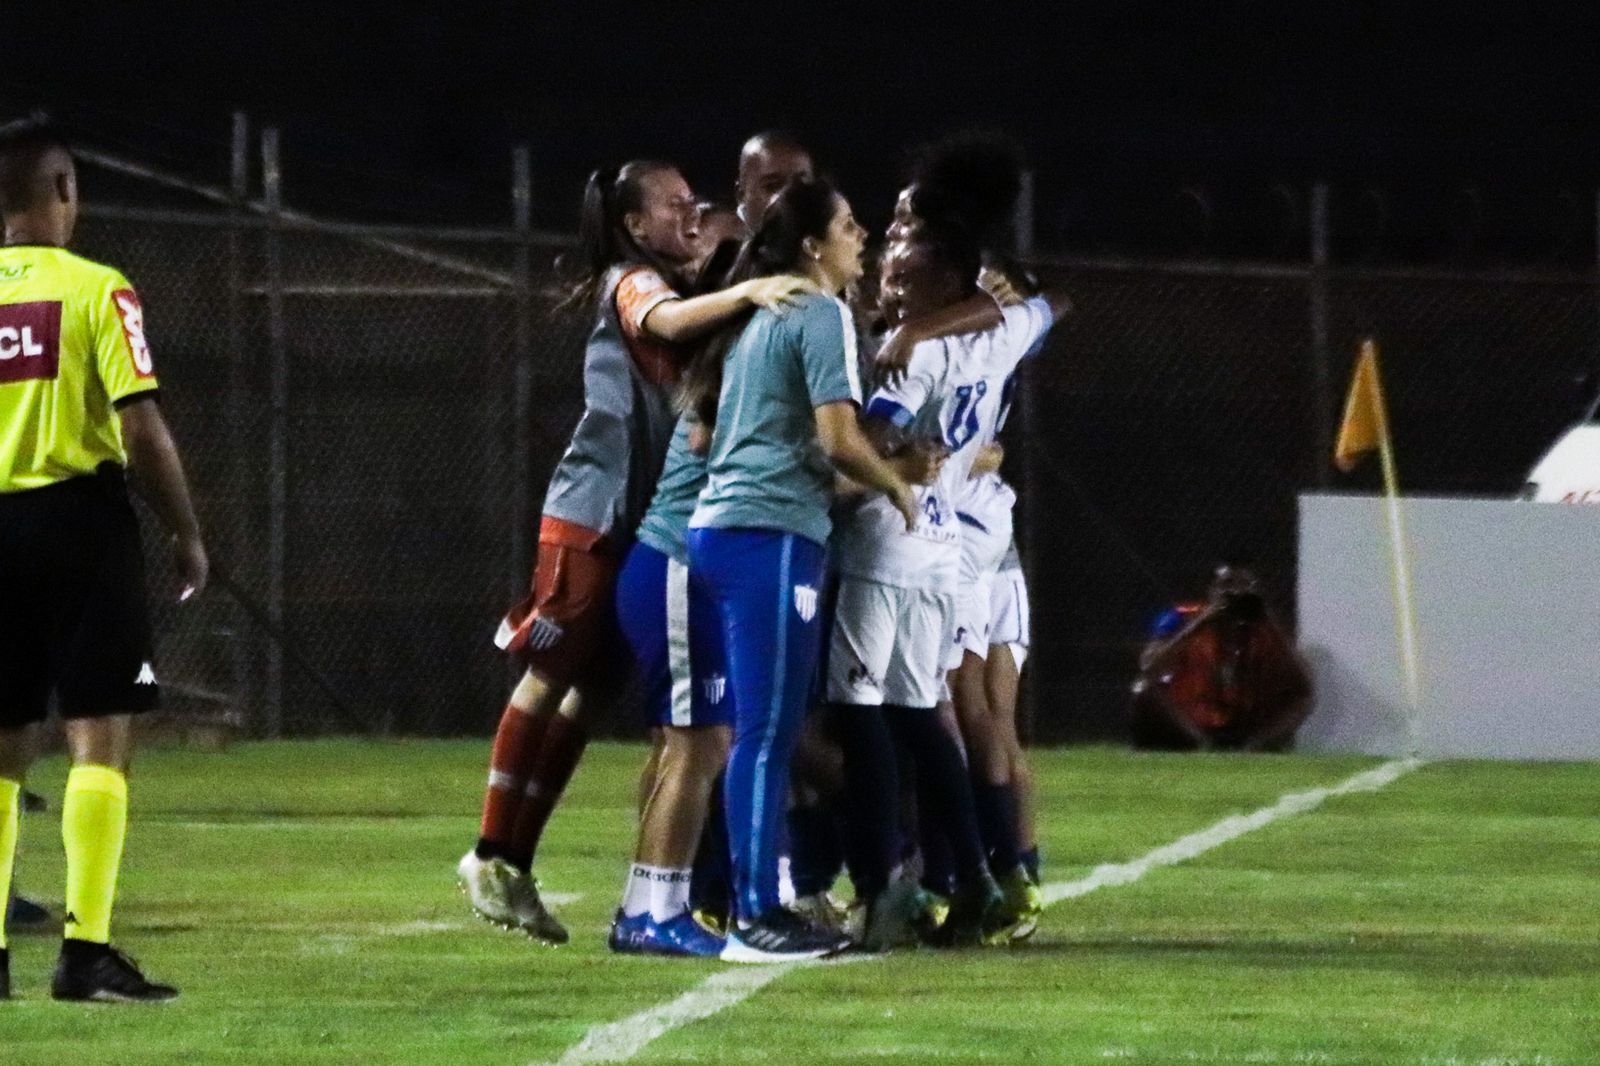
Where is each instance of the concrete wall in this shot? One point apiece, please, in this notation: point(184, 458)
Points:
point(1507, 601)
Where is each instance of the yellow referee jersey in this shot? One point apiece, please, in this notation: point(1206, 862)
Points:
point(71, 346)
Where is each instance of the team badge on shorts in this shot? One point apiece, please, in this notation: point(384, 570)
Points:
point(805, 602)
point(715, 687)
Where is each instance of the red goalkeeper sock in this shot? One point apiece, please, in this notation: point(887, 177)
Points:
point(562, 747)
point(511, 762)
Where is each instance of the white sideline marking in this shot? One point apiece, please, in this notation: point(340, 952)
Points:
point(1230, 828)
point(621, 1040)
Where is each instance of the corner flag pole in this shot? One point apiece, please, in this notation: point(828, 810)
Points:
point(1366, 424)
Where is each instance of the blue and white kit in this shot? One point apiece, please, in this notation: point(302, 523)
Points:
point(670, 622)
point(897, 614)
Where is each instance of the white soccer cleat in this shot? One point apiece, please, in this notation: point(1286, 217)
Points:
point(529, 913)
point(487, 884)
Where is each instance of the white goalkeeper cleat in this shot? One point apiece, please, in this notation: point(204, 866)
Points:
point(488, 886)
point(529, 913)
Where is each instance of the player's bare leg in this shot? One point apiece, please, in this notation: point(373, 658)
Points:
point(647, 776)
point(675, 810)
point(1002, 680)
point(671, 823)
point(986, 751)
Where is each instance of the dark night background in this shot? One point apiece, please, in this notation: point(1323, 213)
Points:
point(1173, 423)
point(407, 111)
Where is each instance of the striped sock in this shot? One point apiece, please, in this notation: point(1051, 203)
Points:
point(516, 747)
point(562, 747)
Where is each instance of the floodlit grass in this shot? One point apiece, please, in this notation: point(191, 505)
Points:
point(301, 895)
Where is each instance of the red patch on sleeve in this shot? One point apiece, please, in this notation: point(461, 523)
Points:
point(131, 312)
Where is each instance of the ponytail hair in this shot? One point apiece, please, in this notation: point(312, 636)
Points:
point(805, 208)
point(609, 196)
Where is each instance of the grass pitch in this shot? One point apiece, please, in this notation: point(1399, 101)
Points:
point(301, 895)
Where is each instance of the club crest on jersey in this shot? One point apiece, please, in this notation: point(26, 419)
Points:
point(715, 687)
point(805, 602)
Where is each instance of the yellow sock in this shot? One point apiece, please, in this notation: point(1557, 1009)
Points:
point(10, 807)
point(94, 820)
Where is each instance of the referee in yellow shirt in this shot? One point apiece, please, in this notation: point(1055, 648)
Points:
point(77, 407)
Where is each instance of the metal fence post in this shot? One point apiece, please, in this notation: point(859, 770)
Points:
point(1321, 368)
point(1022, 228)
point(239, 439)
point(1022, 225)
point(277, 464)
point(522, 371)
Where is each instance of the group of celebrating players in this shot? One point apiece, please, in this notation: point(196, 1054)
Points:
point(782, 504)
point(815, 582)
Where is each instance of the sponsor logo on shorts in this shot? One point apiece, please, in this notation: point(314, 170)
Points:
point(30, 341)
point(805, 602)
point(147, 675)
point(716, 687)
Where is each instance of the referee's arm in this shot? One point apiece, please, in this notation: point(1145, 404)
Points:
point(153, 458)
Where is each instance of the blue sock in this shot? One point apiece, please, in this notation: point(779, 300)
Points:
point(997, 818)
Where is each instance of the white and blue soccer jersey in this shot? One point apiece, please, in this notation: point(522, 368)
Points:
point(956, 388)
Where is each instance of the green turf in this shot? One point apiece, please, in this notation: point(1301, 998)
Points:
point(301, 895)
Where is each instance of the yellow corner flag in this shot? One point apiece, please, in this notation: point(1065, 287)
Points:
point(1366, 428)
point(1366, 423)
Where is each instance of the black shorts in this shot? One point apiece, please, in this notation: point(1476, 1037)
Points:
point(74, 619)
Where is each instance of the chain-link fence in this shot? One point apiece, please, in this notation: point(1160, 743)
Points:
point(1173, 421)
point(369, 417)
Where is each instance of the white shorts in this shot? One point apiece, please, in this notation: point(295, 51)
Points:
point(888, 644)
point(982, 552)
point(1009, 618)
